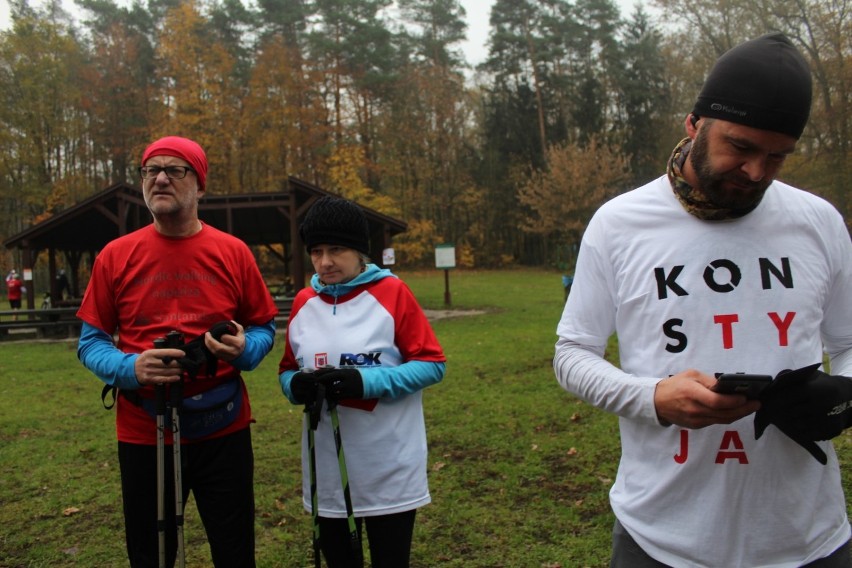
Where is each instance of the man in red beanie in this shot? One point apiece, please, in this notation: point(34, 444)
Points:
point(179, 274)
point(717, 268)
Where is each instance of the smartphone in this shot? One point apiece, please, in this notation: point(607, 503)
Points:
point(741, 383)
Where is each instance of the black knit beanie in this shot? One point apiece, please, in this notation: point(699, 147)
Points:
point(335, 221)
point(764, 83)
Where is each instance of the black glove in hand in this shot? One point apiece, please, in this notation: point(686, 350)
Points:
point(222, 328)
point(304, 388)
point(341, 384)
point(806, 405)
point(196, 354)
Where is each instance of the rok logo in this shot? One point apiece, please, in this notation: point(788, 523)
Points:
point(360, 359)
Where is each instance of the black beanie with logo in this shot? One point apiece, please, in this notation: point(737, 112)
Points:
point(336, 221)
point(763, 83)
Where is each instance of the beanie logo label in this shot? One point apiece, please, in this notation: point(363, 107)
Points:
point(719, 107)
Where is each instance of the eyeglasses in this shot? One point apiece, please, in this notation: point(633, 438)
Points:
point(172, 172)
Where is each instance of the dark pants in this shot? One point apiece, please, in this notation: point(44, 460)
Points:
point(627, 554)
point(389, 536)
point(220, 475)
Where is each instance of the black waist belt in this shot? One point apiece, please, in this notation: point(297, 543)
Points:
point(133, 396)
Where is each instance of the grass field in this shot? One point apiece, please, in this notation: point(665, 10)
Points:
point(519, 470)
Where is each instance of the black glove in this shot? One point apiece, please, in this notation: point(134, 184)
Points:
point(807, 405)
point(196, 354)
point(220, 329)
point(304, 388)
point(341, 384)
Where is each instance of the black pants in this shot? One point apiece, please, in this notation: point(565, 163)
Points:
point(220, 475)
point(626, 553)
point(389, 536)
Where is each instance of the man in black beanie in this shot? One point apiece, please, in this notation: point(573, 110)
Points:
point(719, 268)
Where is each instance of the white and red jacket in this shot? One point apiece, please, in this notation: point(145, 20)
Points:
point(375, 325)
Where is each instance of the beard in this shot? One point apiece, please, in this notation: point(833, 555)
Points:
point(726, 190)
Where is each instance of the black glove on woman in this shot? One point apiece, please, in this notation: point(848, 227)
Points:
point(341, 384)
point(304, 388)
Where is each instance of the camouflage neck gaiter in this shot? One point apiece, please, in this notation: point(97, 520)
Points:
point(693, 199)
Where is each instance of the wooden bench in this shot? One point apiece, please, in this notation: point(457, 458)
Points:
point(42, 323)
point(63, 322)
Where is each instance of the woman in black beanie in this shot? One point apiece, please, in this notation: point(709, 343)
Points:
point(358, 340)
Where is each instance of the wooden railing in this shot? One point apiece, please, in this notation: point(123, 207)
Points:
point(284, 306)
point(43, 323)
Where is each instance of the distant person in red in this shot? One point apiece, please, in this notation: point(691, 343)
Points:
point(15, 290)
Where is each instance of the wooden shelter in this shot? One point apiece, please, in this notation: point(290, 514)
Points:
point(259, 219)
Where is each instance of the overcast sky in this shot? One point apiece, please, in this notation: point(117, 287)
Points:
point(478, 12)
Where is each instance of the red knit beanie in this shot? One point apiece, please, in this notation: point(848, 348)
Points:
point(183, 148)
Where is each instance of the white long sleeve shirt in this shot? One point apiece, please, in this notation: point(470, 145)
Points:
point(759, 294)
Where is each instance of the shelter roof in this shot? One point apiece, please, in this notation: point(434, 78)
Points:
point(256, 218)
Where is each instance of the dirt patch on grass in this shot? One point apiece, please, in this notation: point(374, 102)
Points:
point(443, 314)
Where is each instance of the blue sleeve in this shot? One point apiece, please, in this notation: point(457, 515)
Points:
point(396, 382)
point(285, 378)
point(259, 340)
point(98, 353)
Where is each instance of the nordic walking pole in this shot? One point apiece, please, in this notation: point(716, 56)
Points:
point(175, 339)
point(176, 399)
point(160, 392)
point(311, 422)
point(354, 540)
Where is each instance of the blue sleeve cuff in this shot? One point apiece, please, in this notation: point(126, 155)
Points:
point(285, 378)
point(98, 353)
point(396, 382)
point(259, 340)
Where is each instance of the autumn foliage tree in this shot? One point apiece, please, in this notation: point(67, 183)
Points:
point(374, 99)
point(559, 200)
